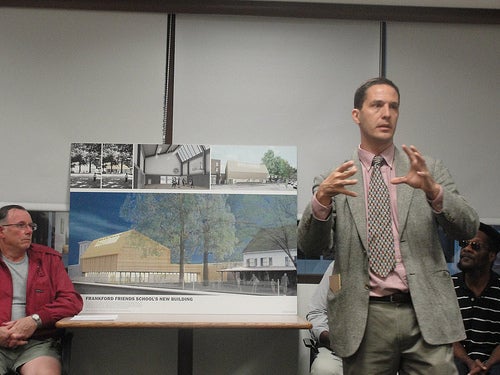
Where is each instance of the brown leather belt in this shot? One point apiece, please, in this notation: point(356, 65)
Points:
point(393, 298)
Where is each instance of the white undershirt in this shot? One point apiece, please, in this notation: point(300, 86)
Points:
point(19, 273)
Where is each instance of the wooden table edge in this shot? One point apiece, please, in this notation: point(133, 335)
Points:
point(191, 321)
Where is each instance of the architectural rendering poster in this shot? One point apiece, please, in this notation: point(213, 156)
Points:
point(183, 228)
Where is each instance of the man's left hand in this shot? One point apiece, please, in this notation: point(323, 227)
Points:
point(418, 176)
point(21, 330)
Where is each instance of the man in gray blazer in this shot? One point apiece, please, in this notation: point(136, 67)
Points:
point(404, 321)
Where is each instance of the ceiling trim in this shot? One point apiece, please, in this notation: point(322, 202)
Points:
point(275, 9)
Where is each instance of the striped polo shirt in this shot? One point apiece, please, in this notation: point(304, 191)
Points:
point(481, 316)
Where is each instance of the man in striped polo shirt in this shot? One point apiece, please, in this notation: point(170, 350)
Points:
point(478, 293)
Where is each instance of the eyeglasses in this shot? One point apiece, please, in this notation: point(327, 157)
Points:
point(33, 226)
point(473, 244)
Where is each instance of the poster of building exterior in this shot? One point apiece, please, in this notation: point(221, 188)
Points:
point(183, 228)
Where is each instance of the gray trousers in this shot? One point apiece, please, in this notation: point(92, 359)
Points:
point(393, 345)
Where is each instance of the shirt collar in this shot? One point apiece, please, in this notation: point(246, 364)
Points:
point(366, 157)
point(493, 281)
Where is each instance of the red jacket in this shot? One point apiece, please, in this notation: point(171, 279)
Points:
point(49, 290)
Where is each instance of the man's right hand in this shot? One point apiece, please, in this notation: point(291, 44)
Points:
point(4, 336)
point(335, 183)
point(9, 337)
point(477, 368)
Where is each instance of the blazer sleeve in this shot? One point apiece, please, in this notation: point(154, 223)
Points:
point(458, 218)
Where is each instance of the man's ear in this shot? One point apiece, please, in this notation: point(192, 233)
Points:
point(492, 256)
point(355, 115)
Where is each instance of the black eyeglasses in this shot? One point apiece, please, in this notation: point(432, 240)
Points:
point(473, 244)
point(33, 226)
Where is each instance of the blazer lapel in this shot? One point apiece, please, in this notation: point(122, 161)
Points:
point(357, 204)
point(404, 191)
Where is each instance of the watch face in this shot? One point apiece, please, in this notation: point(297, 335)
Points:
point(37, 319)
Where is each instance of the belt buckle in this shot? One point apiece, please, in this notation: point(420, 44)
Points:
point(398, 298)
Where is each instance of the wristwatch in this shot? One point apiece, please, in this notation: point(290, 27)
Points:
point(37, 320)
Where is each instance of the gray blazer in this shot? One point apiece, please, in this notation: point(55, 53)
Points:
point(429, 281)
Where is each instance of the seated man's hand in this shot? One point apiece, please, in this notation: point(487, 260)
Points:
point(19, 331)
point(7, 340)
point(324, 339)
point(477, 368)
point(4, 335)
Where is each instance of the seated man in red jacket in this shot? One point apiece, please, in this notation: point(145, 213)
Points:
point(35, 292)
